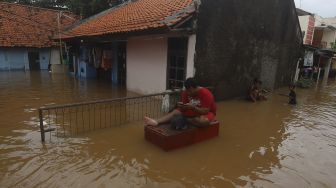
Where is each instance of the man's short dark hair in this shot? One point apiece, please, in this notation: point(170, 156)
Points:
point(190, 82)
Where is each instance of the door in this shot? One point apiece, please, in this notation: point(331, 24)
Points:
point(34, 60)
point(177, 61)
point(122, 63)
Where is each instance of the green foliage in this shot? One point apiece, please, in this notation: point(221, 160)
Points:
point(24, 2)
point(85, 8)
point(333, 46)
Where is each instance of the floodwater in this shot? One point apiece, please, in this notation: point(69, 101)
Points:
point(266, 144)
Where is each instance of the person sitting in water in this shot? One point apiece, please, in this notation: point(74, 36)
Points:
point(197, 107)
point(292, 95)
point(255, 91)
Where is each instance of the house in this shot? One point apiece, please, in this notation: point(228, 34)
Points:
point(319, 37)
point(307, 23)
point(324, 34)
point(332, 22)
point(26, 36)
point(153, 45)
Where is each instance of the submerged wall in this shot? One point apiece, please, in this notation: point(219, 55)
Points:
point(17, 58)
point(13, 59)
point(238, 40)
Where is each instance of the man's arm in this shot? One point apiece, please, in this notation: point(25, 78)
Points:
point(207, 101)
point(198, 110)
point(252, 96)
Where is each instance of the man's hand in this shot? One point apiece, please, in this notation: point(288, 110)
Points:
point(186, 106)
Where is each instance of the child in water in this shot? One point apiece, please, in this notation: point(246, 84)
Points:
point(292, 95)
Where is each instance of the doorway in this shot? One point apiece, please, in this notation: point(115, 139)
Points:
point(34, 60)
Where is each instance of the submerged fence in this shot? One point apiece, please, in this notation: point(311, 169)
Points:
point(72, 119)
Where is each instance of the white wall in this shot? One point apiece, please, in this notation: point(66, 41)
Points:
point(191, 56)
point(304, 21)
point(329, 36)
point(55, 56)
point(330, 21)
point(146, 65)
point(318, 20)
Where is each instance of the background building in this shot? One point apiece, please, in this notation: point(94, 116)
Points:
point(154, 45)
point(26, 36)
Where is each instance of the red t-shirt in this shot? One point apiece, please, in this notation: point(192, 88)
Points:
point(203, 99)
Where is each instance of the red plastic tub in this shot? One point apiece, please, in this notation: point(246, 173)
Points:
point(169, 139)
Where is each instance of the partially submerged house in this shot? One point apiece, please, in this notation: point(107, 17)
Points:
point(153, 45)
point(319, 38)
point(26, 33)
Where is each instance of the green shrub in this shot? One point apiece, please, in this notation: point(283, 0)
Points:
point(304, 83)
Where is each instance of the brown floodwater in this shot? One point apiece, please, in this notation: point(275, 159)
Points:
point(265, 144)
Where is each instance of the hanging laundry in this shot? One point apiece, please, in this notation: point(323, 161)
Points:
point(107, 59)
point(91, 57)
point(97, 54)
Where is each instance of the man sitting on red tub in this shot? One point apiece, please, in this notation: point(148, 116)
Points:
point(197, 107)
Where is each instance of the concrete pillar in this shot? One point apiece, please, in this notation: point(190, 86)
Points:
point(297, 71)
point(318, 75)
point(327, 70)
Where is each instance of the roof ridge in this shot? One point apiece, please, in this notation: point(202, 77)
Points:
point(83, 21)
point(181, 13)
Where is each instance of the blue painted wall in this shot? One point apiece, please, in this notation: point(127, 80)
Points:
point(12, 59)
point(17, 58)
point(86, 71)
point(44, 58)
point(3, 63)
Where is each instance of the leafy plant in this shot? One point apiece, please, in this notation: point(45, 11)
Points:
point(85, 8)
point(333, 46)
point(305, 83)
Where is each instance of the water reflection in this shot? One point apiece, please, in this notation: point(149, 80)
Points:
point(268, 144)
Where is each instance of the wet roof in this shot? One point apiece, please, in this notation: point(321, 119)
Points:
point(140, 15)
point(301, 12)
point(28, 26)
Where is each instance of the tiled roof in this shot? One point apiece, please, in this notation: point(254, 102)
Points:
point(138, 15)
point(27, 26)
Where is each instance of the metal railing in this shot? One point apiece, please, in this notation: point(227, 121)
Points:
point(72, 119)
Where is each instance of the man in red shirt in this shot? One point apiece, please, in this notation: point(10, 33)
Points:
point(197, 105)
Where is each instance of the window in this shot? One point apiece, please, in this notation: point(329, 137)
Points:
point(177, 60)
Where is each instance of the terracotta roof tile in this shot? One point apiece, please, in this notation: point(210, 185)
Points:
point(27, 26)
point(135, 16)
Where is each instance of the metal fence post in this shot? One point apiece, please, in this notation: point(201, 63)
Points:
point(41, 125)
